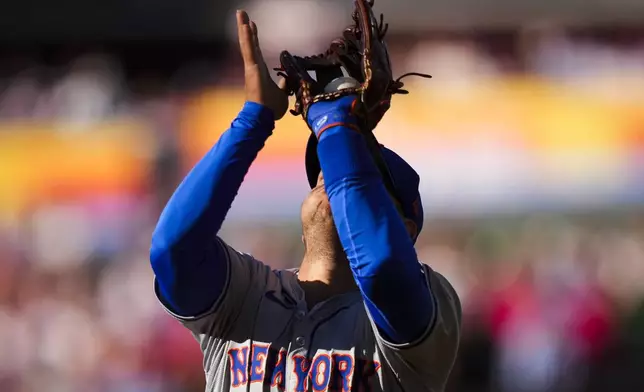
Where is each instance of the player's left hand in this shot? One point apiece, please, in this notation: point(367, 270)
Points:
point(326, 114)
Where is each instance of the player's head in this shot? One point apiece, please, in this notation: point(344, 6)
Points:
point(316, 212)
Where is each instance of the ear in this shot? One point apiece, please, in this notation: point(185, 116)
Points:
point(411, 227)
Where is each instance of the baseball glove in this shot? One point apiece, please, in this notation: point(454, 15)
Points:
point(361, 54)
point(359, 57)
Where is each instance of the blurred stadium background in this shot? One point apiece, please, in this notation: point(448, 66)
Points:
point(529, 141)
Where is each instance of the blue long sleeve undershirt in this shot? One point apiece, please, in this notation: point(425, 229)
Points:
point(380, 250)
point(189, 262)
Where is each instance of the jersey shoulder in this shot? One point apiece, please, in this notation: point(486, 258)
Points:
point(444, 293)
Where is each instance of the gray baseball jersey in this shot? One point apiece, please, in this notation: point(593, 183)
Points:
point(260, 336)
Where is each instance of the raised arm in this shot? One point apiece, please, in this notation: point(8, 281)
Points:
point(379, 248)
point(189, 262)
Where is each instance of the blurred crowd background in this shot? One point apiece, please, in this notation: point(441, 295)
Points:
point(529, 141)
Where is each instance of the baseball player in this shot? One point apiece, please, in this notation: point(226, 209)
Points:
point(360, 314)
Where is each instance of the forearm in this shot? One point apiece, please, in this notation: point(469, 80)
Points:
point(379, 248)
point(189, 263)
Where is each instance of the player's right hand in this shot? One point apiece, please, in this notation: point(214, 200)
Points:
point(260, 87)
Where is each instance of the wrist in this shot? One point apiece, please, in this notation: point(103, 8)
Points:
point(254, 120)
point(323, 116)
point(258, 114)
point(334, 121)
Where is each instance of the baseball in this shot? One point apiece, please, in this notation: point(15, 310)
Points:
point(340, 84)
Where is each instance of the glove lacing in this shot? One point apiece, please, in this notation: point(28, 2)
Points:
point(396, 86)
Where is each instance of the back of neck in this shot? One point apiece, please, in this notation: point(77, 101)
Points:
point(322, 277)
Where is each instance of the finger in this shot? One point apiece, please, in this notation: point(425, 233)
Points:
point(258, 49)
point(253, 29)
point(259, 56)
point(281, 83)
point(246, 41)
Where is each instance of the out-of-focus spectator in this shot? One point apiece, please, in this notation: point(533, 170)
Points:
point(89, 91)
point(18, 100)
